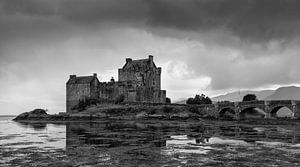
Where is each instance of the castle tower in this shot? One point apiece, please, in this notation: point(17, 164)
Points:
point(79, 88)
point(145, 80)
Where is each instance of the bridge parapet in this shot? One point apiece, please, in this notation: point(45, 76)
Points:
point(281, 102)
point(255, 102)
point(225, 105)
point(269, 107)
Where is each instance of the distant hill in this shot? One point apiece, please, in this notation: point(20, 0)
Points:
point(238, 96)
point(282, 93)
point(285, 93)
point(181, 101)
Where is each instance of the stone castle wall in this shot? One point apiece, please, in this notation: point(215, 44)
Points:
point(111, 90)
point(139, 81)
point(143, 77)
point(76, 92)
point(131, 92)
point(79, 91)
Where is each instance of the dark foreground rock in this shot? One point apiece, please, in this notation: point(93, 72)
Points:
point(39, 115)
point(34, 114)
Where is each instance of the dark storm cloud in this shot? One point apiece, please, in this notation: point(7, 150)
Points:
point(88, 11)
point(253, 20)
point(214, 45)
point(30, 7)
point(258, 20)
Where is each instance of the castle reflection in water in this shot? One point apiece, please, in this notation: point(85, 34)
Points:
point(111, 143)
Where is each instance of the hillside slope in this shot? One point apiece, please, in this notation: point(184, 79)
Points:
point(285, 93)
point(238, 96)
point(282, 93)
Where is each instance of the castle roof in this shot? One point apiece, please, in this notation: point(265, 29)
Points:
point(81, 79)
point(139, 64)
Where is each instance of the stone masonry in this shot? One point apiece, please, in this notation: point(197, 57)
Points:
point(139, 81)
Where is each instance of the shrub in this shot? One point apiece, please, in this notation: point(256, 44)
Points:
point(249, 97)
point(199, 100)
point(168, 100)
point(190, 101)
point(83, 103)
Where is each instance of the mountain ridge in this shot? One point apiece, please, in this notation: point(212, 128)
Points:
point(281, 93)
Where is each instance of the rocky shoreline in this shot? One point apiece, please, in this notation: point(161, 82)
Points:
point(117, 112)
point(138, 112)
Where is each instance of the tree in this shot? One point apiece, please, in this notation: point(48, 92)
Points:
point(249, 97)
point(199, 99)
point(168, 100)
point(190, 101)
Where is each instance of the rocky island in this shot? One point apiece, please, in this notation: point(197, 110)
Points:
point(118, 112)
point(138, 95)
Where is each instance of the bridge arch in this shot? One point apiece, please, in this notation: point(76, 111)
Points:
point(274, 110)
point(252, 111)
point(223, 111)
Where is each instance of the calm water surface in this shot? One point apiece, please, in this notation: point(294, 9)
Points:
point(147, 143)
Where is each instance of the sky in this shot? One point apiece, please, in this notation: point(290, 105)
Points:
point(203, 46)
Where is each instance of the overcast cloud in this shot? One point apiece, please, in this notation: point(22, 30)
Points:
point(203, 46)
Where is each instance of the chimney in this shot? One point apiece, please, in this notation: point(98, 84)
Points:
point(72, 76)
point(128, 60)
point(95, 75)
point(112, 79)
point(151, 60)
point(159, 70)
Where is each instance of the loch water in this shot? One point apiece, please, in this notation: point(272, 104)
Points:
point(148, 143)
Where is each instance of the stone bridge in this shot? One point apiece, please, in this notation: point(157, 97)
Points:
point(269, 107)
point(239, 109)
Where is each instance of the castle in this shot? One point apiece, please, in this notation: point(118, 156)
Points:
point(138, 81)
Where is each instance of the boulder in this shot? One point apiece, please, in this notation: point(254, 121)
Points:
point(22, 116)
point(34, 114)
point(38, 112)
